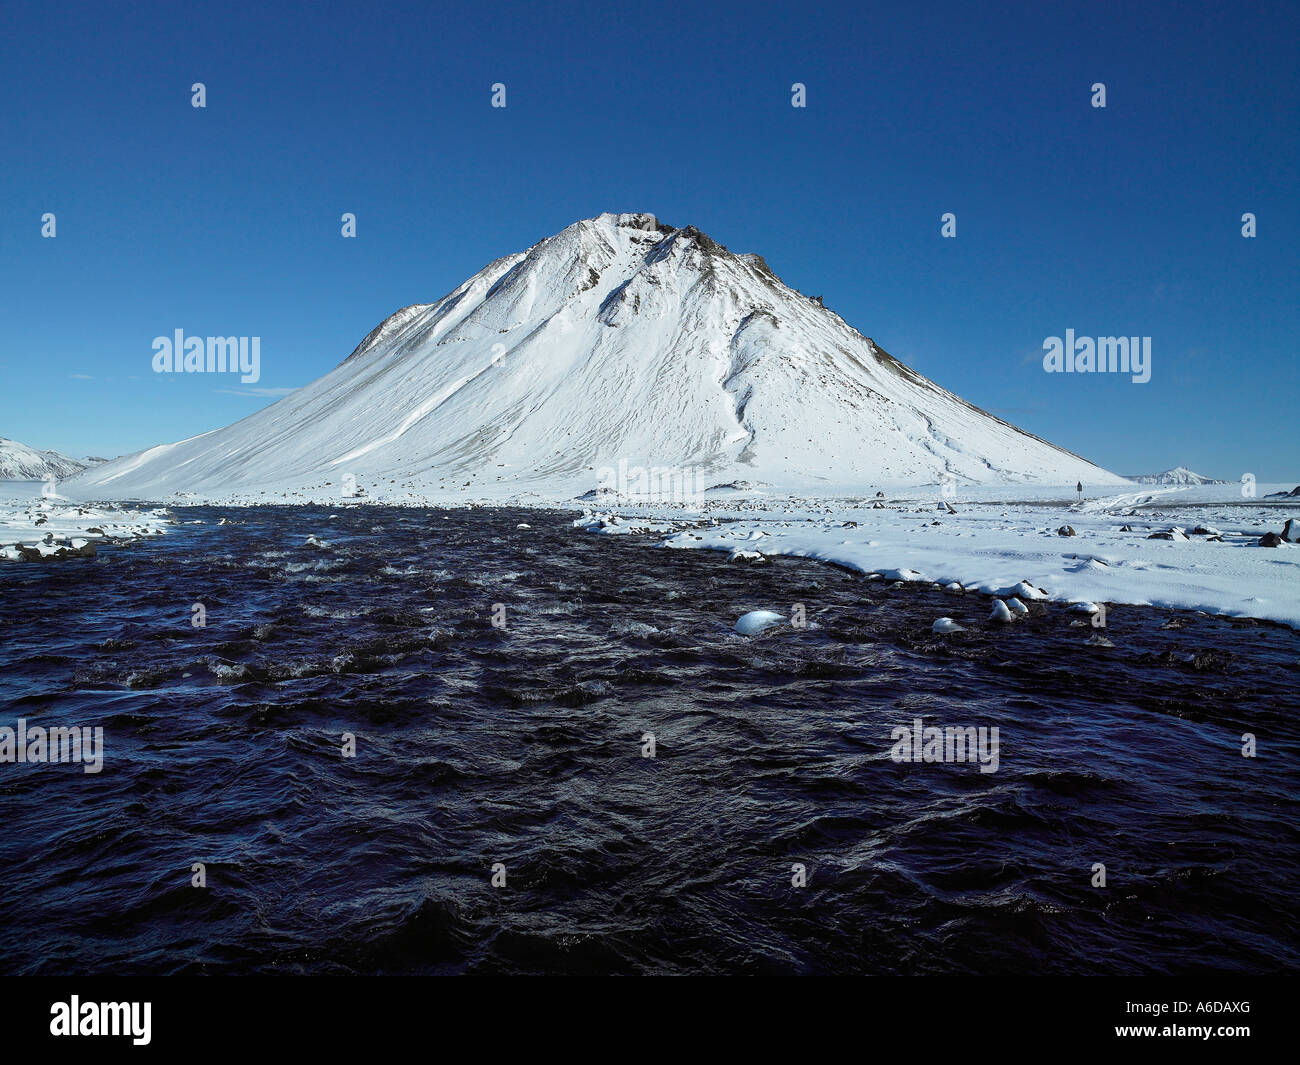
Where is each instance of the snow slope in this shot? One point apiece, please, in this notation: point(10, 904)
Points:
point(18, 462)
point(619, 338)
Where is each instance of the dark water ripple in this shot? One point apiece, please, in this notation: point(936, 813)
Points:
point(523, 746)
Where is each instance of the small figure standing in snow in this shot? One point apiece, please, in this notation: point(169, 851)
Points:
point(1078, 487)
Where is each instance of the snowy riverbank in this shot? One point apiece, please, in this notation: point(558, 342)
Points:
point(37, 528)
point(1193, 548)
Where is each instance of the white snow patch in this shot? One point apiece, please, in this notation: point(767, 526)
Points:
point(756, 621)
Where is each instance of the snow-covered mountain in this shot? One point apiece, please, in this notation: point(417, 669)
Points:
point(619, 338)
point(18, 462)
point(1178, 475)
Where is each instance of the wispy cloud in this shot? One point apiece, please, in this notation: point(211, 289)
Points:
point(255, 391)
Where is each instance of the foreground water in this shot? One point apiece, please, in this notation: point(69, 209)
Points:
point(524, 746)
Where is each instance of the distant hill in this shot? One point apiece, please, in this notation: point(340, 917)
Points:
point(18, 462)
point(1178, 475)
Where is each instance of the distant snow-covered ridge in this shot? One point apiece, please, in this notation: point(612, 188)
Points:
point(18, 462)
point(1178, 475)
point(618, 340)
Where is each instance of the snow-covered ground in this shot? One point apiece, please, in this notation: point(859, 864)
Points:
point(34, 526)
point(1007, 541)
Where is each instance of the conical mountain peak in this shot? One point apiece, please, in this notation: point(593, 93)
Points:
point(618, 339)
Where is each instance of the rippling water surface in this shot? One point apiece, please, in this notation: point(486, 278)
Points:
point(523, 746)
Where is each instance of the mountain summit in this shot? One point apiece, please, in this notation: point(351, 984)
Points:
point(618, 339)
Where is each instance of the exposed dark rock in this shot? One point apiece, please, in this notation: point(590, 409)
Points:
point(34, 554)
point(703, 241)
point(1209, 660)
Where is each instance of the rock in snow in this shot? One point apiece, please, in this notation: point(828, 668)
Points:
point(946, 625)
point(1000, 612)
point(1025, 590)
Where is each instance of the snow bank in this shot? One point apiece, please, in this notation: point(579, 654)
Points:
point(1012, 550)
point(40, 528)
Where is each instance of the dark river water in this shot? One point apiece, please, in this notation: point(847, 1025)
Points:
point(522, 748)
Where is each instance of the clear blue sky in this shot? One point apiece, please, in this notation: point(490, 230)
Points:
point(225, 220)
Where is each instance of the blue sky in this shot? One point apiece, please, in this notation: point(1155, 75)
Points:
point(225, 220)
